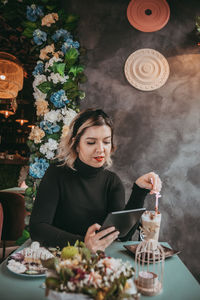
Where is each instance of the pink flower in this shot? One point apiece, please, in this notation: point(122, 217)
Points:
point(49, 19)
point(44, 52)
point(42, 107)
point(36, 135)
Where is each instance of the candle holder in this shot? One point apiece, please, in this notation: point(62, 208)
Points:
point(149, 267)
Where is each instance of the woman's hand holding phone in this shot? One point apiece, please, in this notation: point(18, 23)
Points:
point(100, 240)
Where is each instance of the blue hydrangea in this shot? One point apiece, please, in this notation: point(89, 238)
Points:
point(71, 43)
point(38, 168)
point(76, 45)
point(49, 127)
point(61, 33)
point(59, 99)
point(68, 44)
point(33, 12)
point(39, 69)
point(39, 37)
point(64, 47)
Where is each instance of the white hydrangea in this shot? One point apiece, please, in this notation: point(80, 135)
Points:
point(68, 115)
point(51, 62)
point(38, 80)
point(53, 144)
point(56, 78)
point(48, 148)
point(50, 154)
point(53, 116)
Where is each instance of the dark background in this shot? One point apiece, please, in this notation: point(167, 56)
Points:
point(158, 130)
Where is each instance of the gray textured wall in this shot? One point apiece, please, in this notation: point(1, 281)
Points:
point(156, 130)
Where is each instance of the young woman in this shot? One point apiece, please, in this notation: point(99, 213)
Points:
point(75, 195)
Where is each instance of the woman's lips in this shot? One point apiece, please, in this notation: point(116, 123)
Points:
point(99, 158)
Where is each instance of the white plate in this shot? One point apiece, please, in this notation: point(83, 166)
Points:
point(42, 274)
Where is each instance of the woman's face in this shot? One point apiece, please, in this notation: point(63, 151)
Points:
point(95, 146)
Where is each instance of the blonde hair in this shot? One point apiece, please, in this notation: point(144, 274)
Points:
point(67, 152)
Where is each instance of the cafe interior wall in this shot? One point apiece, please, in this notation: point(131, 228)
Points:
point(157, 130)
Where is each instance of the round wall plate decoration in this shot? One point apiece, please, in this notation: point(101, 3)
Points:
point(146, 69)
point(148, 15)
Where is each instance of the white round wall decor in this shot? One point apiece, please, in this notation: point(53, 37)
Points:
point(146, 69)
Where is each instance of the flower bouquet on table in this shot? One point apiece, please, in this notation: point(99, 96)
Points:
point(87, 276)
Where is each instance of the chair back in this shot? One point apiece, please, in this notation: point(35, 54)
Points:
point(14, 214)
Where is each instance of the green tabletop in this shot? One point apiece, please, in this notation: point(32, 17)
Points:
point(179, 284)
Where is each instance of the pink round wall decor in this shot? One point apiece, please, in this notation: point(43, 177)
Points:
point(148, 15)
point(146, 69)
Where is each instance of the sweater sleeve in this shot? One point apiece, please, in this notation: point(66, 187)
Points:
point(116, 194)
point(135, 201)
point(137, 197)
point(44, 209)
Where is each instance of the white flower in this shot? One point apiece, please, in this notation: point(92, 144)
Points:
point(38, 80)
point(51, 61)
point(48, 148)
point(71, 286)
point(56, 78)
point(52, 144)
point(68, 115)
point(53, 116)
point(38, 94)
point(50, 154)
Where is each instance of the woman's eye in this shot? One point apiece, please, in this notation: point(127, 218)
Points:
point(107, 143)
point(90, 143)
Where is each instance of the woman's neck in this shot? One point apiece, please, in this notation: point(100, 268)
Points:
point(86, 170)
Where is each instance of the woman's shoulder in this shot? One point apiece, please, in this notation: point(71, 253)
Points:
point(58, 169)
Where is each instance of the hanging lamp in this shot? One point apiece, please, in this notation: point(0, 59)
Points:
point(11, 76)
point(8, 108)
point(6, 111)
point(22, 119)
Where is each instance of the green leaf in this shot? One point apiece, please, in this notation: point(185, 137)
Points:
point(76, 70)
point(51, 7)
point(23, 238)
point(29, 206)
point(29, 181)
point(81, 95)
point(70, 85)
point(82, 78)
point(71, 18)
point(71, 57)
point(31, 145)
point(86, 253)
point(45, 87)
point(28, 32)
point(66, 273)
point(29, 191)
point(59, 68)
point(90, 290)
point(112, 290)
point(62, 14)
point(54, 136)
point(76, 243)
point(50, 263)
point(29, 25)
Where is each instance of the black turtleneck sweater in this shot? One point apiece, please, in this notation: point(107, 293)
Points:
point(69, 201)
